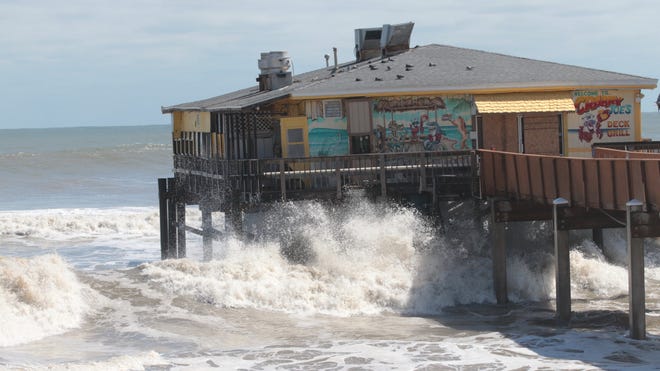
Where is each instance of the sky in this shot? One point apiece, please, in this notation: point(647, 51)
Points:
point(116, 62)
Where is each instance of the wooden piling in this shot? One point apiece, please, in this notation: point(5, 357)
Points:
point(562, 263)
point(207, 234)
point(597, 237)
point(636, 289)
point(181, 229)
point(383, 177)
point(162, 202)
point(498, 231)
point(171, 220)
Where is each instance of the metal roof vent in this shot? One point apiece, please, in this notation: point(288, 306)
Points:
point(274, 69)
point(367, 43)
point(382, 41)
point(395, 38)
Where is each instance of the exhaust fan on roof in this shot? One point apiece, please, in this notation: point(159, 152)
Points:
point(367, 43)
point(274, 70)
point(382, 41)
point(395, 38)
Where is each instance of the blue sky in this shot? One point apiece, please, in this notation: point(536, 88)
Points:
point(116, 62)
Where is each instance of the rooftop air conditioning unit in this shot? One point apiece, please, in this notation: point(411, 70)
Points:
point(395, 38)
point(367, 43)
point(274, 70)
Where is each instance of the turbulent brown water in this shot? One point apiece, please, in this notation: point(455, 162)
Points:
point(83, 288)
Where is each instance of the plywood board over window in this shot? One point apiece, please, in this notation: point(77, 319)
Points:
point(541, 134)
point(294, 133)
point(500, 131)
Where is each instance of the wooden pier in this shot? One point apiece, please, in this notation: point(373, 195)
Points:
point(237, 186)
point(618, 188)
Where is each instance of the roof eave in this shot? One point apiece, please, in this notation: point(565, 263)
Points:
point(473, 89)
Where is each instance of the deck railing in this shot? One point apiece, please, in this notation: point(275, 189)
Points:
point(646, 146)
point(585, 182)
point(256, 180)
point(604, 152)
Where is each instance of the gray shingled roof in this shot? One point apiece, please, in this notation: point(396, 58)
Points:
point(432, 68)
point(250, 97)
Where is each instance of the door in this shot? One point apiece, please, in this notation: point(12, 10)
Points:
point(295, 141)
point(358, 114)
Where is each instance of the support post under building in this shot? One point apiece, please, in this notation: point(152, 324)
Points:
point(562, 262)
point(499, 256)
point(207, 234)
point(636, 290)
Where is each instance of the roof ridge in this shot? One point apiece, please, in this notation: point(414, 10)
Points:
point(531, 59)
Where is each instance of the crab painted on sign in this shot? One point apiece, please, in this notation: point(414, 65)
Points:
point(591, 124)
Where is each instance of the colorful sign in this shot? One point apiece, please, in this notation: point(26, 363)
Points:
point(600, 116)
point(408, 124)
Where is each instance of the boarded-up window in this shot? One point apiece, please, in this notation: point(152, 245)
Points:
point(359, 117)
point(541, 134)
point(500, 131)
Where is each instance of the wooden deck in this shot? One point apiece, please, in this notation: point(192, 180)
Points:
point(619, 188)
point(602, 183)
point(250, 182)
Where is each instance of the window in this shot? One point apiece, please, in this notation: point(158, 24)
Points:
point(294, 137)
point(332, 108)
point(295, 142)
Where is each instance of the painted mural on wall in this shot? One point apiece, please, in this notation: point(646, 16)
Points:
point(601, 116)
point(328, 136)
point(409, 124)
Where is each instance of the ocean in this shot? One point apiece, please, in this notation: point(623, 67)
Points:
point(82, 286)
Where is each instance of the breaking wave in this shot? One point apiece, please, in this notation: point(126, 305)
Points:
point(39, 297)
point(368, 258)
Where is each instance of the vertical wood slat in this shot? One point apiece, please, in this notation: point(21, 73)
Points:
point(549, 178)
point(487, 180)
point(636, 181)
point(605, 182)
point(499, 173)
point(536, 178)
point(592, 198)
point(524, 186)
point(578, 188)
point(652, 181)
point(511, 179)
point(564, 180)
point(621, 184)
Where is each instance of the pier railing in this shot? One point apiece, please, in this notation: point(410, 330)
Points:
point(645, 146)
point(585, 182)
point(444, 174)
point(604, 152)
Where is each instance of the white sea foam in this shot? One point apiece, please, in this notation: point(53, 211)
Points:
point(40, 296)
point(73, 224)
point(368, 259)
point(139, 361)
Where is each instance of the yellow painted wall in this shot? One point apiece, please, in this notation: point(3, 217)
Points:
point(190, 121)
point(288, 123)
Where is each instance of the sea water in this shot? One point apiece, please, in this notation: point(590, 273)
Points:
point(82, 285)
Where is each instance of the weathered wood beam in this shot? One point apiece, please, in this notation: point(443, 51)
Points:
point(562, 264)
point(636, 289)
